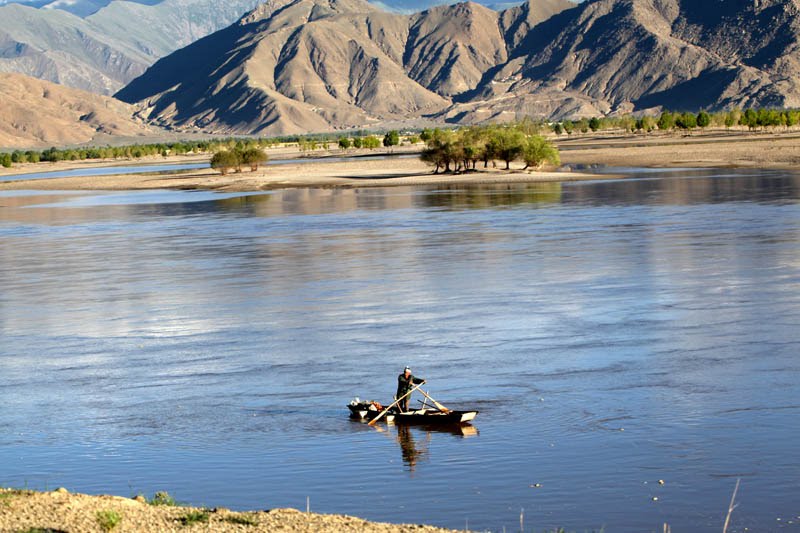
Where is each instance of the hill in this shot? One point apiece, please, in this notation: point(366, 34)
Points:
point(40, 114)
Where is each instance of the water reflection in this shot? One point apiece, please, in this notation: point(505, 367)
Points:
point(142, 339)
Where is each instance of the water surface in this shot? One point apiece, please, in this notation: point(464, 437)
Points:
point(611, 334)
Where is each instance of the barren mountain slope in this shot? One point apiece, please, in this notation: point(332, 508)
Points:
point(37, 113)
point(311, 65)
point(304, 65)
point(621, 55)
point(60, 47)
point(111, 47)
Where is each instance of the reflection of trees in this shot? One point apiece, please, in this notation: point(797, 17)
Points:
point(483, 196)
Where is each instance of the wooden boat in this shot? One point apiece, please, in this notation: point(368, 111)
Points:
point(427, 416)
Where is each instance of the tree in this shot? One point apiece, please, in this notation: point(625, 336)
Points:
point(646, 124)
point(686, 121)
point(391, 138)
point(253, 157)
point(344, 143)
point(506, 144)
point(666, 121)
point(557, 129)
point(749, 119)
point(594, 124)
point(5, 160)
point(703, 120)
point(224, 161)
point(370, 142)
point(568, 126)
point(537, 151)
point(358, 142)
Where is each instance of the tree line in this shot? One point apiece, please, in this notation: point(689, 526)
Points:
point(751, 118)
point(462, 149)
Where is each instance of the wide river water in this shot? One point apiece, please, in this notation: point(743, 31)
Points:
point(612, 334)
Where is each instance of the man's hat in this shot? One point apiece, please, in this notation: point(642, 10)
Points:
point(406, 369)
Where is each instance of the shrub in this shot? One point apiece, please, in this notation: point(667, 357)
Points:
point(162, 498)
point(108, 520)
point(537, 151)
point(194, 517)
point(253, 157)
point(225, 161)
point(392, 138)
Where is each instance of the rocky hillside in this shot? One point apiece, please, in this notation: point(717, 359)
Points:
point(313, 65)
point(40, 114)
point(623, 55)
point(103, 52)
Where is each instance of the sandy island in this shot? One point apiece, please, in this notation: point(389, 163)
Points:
point(23, 510)
point(324, 169)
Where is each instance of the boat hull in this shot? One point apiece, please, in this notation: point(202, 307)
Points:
point(363, 411)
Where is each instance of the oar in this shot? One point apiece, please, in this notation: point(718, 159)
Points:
point(439, 406)
point(372, 422)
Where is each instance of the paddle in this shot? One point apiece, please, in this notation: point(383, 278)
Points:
point(372, 422)
point(439, 406)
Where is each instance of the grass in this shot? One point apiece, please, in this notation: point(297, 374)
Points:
point(194, 517)
point(108, 520)
point(242, 520)
point(162, 498)
point(9, 494)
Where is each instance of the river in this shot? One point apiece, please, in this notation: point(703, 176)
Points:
point(611, 333)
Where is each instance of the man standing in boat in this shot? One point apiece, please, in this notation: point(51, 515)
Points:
point(406, 382)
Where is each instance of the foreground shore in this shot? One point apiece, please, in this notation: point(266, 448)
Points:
point(22, 510)
point(720, 149)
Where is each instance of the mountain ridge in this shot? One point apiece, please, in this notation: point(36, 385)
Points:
point(328, 64)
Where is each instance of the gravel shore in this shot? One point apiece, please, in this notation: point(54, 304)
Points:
point(61, 511)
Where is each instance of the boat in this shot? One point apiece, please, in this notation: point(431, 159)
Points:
point(364, 410)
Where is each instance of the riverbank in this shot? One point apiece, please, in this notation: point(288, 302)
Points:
point(315, 173)
point(23, 510)
point(328, 169)
point(710, 150)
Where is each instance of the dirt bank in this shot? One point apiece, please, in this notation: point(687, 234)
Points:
point(61, 511)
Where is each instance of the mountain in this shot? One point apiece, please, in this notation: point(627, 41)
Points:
point(294, 66)
point(106, 50)
point(84, 8)
point(60, 47)
point(37, 114)
point(622, 55)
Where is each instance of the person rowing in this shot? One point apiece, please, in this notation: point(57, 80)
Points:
point(405, 382)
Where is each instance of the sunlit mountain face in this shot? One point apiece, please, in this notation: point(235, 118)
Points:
point(84, 8)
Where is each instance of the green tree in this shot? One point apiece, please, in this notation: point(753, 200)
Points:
point(224, 161)
point(558, 129)
point(5, 160)
point(344, 143)
point(594, 124)
point(568, 126)
point(357, 142)
point(646, 124)
point(506, 143)
point(666, 121)
point(749, 118)
point(686, 121)
point(392, 138)
point(253, 157)
point(537, 151)
point(703, 120)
